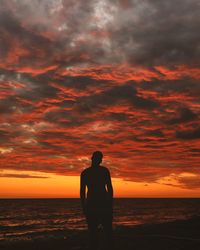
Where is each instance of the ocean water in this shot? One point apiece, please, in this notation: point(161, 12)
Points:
point(32, 218)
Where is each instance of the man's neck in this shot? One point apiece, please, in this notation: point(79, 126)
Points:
point(95, 165)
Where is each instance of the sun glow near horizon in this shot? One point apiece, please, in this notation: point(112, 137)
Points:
point(29, 184)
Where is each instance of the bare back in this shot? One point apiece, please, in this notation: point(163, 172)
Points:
point(98, 183)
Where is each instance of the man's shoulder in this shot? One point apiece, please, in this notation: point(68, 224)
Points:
point(89, 169)
point(106, 170)
point(85, 171)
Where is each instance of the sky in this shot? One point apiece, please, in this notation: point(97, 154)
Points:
point(119, 76)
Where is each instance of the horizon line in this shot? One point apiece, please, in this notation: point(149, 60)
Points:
point(120, 197)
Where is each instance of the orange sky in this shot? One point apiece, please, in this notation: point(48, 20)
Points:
point(54, 186)
point(118, 77)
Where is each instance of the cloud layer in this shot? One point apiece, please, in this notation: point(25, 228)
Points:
point(117, 76)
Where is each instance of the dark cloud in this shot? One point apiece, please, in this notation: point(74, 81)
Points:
point(144, 176)
point(146, 33)
point(4, 136)
point(184, 115)
point(27, 47)
point(117, 116)
point(8, 105)
point(187, 86)
point(117, 95)
point(191, 134)
point(57, 135)
point(22, 176)
point(83, 82)
point(155, 133)
point(159, 33)
point(186, 182)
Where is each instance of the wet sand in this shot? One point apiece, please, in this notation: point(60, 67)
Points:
point(176, 235)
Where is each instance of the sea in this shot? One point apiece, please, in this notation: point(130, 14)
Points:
point(24, 219)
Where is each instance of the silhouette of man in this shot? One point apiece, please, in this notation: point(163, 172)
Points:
point(97, 205)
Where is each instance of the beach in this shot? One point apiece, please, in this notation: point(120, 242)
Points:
point(174, 235)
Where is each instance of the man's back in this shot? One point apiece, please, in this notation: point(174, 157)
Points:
point(96, 179)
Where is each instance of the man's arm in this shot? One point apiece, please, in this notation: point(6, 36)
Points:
point(82, 191)
point(109, 186)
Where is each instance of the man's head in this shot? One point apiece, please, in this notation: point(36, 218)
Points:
point(97, 157)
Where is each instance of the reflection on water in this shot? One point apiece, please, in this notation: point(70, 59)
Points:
point(38, 217)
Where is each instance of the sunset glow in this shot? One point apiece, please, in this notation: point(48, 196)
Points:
point(117, 76)
point(37, 185)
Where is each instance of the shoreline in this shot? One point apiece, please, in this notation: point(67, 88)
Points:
point(179, 234)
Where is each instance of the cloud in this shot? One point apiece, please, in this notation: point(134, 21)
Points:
point(184, 180)
point(185, 115)
point(119, 94)
point(158, 33)
point(22, 176)
point(155, 133)
point(190, 182)
point(4, 136)
point(188, 134)
point(101, 32)
point(122, 77)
